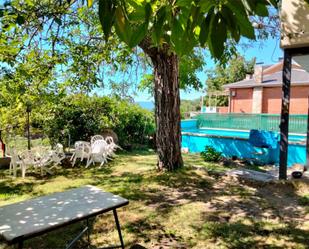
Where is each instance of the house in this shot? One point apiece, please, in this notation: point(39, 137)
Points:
point(261, 92)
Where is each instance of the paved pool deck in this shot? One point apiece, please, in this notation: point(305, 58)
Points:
point(269, 176)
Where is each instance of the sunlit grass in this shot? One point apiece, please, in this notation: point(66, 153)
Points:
point(194, 207)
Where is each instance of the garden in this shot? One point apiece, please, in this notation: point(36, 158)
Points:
point(83, 160)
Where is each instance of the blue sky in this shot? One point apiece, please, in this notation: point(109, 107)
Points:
point(267, 52)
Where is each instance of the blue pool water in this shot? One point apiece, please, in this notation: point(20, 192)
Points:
point(235, 143)
point(238, 133)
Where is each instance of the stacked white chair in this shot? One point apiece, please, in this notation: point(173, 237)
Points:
point(58, 154)
point(28, 159)
point(98, 152)
point(51, 159)
point(111, 146)
point(82, 151)
point(45, 160)
point(95, 138)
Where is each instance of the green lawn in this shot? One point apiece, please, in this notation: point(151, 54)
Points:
point(191, 208)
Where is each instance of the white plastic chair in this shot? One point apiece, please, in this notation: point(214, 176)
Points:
point(44, 161)
point(98, 153)
point(28, 159)
point(57, 155)
point(82, 151)
point(112, 146)
point(95, 138)
point(15, 161)
point(49, 159)
point(77, 145)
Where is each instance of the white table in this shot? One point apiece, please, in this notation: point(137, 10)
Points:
point(30, 218)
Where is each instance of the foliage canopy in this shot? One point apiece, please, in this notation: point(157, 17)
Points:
point(234, 71)
point(183, 24)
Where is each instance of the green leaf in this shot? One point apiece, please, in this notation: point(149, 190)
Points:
point(231, 22)
point(229, 17)
point(122, 26)
point(261, 9)
point(148, 12)
point(107, 10)
point(245, 26)
point(20, 20)
point(184, 14)
point(138, 33)
point(217, 36)
point(183, 3)
point(195, 18)
point(158, 25)
point(58, 21)
point(206, 5)
point(203, 37)
point(138, 12)
point(176, 36)
point(248, 4)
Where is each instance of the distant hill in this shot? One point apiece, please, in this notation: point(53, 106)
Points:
point(146, 105)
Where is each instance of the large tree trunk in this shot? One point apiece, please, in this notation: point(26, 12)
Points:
point(167, 111)
point(167, 105)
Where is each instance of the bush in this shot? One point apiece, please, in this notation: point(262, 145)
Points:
point(211, 155)
point(78, 117)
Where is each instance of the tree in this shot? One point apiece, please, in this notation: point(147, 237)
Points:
point(167, 30)
point(50, 49)
point(234, 71)
point(69, 35)
point(29, 84)
point(189, 65)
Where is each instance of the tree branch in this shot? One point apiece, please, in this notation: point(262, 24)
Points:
point(147, 47)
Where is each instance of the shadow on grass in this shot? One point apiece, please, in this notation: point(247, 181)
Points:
point(182, 178)
point(240, 235)
point(9, 189)
point(127, 185)
point(262, 217)
point(186, 184)
point(143, 229)
point(154, 232)
point(141, 152)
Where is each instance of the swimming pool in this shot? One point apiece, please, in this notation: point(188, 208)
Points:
point(239, 133)
point(235, 143)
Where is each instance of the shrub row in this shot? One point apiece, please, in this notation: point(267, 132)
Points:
point(78, 117)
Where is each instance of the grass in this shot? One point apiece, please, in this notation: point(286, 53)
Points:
point(195, 207)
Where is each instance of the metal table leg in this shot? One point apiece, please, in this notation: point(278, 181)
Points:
point(118, 228)
point(88, 232)
point(72, 243)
